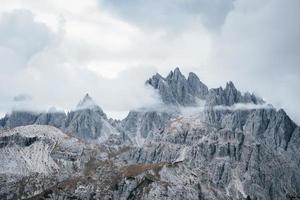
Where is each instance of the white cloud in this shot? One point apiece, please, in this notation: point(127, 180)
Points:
point(21, 38)
point(244, 106)
point(170, 14)
point(57, 50)
point(62, 70)
point(259, 50)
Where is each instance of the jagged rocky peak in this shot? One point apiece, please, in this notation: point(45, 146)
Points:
point(86, 102)
point(88, 121)
point(177, 90)
point(176, 75)
point(230, 96)
point(196, 87)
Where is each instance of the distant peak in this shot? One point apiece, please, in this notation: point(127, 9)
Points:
point(176, 89)
point(86, 102)
point(175, 74)
point(192, 75)
point(87, 96)
point(177, 70)
point(230, 85)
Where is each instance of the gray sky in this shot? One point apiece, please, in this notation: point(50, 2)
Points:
point(54, 51)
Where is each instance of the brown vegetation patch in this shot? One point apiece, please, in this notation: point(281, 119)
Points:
point(136, 169)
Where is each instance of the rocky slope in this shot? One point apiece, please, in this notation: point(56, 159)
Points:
point(231, 146)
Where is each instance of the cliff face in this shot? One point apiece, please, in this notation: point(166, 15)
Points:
point(226, 161)
point(216, 151)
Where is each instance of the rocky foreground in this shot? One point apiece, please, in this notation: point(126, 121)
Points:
point(201, 143)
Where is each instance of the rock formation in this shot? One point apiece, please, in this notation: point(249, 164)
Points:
point(219, 151)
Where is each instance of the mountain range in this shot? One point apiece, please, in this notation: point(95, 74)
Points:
point(201, 143)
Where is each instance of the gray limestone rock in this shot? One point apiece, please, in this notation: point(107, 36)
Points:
point(177, 90)
point(196, 87)
point(230, 96)
point(88, 121)
point(145, 123)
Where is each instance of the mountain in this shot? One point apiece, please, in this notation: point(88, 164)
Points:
point(230, 96)
point(23, 118)
point(231, 146)
point(88, 121)
point(176, 89)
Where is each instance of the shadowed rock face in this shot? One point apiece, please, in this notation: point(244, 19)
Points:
point(212, 153)
point(18, 140)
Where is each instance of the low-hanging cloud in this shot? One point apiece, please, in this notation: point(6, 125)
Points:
point(243, 106)
point(69, 50)
point(259, 50)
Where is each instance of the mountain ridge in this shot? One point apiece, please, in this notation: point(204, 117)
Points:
point(184, 151)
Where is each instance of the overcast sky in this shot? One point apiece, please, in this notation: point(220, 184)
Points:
point(52, 52)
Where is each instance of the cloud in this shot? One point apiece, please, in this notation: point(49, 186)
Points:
point(58, 72)
point(173, 14)
point(244, 106)
point(258, 48)
point(55, 51)
point(21, 97)
point(21, 37)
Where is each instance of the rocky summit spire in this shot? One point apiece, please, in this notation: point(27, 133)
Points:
point(196, 87)
point(177, 90)
point(88, 121)
point(230, 96)
point(86, 102)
